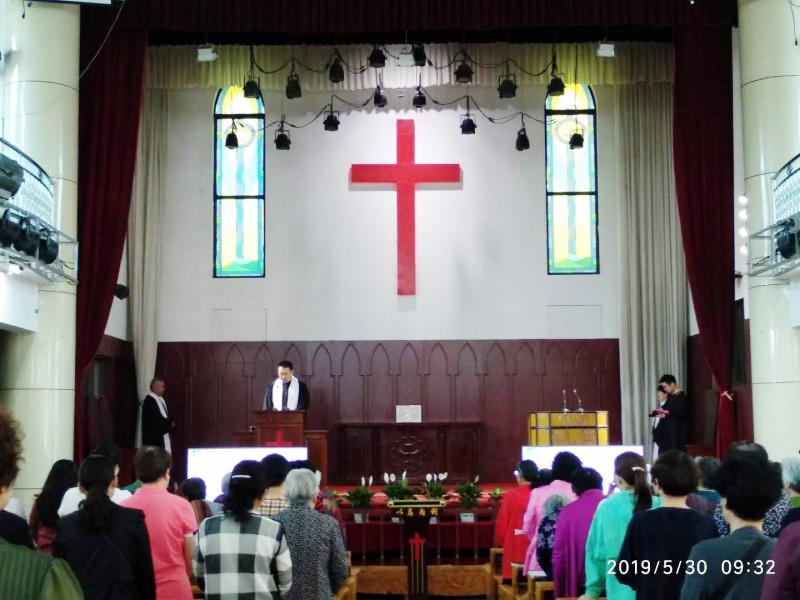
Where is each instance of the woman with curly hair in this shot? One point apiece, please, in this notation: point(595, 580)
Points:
point(27, 575)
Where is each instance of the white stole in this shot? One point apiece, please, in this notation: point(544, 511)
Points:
point(162, 408)
point(277, 394)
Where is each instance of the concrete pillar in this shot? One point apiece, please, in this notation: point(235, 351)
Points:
point(770, 77)
point(40, 116)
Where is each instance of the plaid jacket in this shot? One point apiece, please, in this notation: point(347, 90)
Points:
point(235, 560)
point(272, 506)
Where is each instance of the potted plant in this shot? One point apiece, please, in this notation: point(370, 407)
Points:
point(397, 489)
point(496, 495)
point(433, 488)
point(360, 498)
point(469, 493)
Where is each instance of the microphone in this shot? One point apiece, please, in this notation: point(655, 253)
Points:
point(564, 396)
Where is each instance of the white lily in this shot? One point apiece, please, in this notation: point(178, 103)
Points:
point(363, 482)
point(370, 480)
point(442, 476)
point(428, 477)
point(403, 478)
point(392, 478)
point(386, 478)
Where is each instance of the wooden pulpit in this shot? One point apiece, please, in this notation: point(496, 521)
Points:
point(279, 428)
point(589, 428)
point(416, 516)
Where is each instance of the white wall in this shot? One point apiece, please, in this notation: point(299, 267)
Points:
point(19, 302)
point(331, 250)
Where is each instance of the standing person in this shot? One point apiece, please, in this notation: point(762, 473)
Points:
point(236, 551)
point(708, 466)
point(569, 547)
point(319, 559)
point(564, 464)
point(105, 544)
point(25, 574)
point(44, 514)
point(749, 486)
point(610, 523)
point(287, 392)
point(673, 415)
point(508, 532)
point(784, 584)
point(276, 467)
point(170, 524)
point(194, 490)
point(156, 423)
point(74, 496)
point(790, 469)
point(667, 533)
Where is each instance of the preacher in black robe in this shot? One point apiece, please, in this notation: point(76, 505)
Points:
point(286, 392)
point(157, 423)
point(670, 432)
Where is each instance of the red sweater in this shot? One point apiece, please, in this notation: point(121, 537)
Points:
point(512, 510)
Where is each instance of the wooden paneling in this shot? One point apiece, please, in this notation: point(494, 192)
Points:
point(215, 386)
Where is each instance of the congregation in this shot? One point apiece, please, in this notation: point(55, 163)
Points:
point(689, 529)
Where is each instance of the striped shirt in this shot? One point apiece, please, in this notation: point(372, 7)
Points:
point(241, 561)
point(272, 506)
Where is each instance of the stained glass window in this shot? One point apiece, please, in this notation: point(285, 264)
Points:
point(238, 185)
point(572, 245)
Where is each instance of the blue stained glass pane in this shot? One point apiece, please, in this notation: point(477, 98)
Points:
point(239, 186)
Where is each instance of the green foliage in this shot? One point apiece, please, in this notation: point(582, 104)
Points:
point(360, 497)
point(433, 490)
point(398, 490)
point(469, 493)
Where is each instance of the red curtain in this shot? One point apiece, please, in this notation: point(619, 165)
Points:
point(703, 159)
point(110, 106)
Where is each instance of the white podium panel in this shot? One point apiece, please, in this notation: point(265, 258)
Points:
point(599, 458)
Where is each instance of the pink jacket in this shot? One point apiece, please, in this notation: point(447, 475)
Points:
point(535, 513)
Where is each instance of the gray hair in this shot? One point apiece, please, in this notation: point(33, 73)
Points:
point(790, 466)
point(226, 482)
point(301, 485)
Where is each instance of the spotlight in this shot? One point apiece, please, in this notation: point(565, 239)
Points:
point(28, 239)
point(10, 227)
point(331, 122)
point(336, 71)
point(743, 200)
point(523, 143)
point(379, 98)
point(786, 239)
point(556, 86)
point(232, 140)
point(283, 140)
point(576, 140)
point(206, 53)
point(377, 59)
point(419, 98)
point(252, 88)
point(507, 88)
point(293, 89)
point(468, 125)
point(418, 52)
point(121, 291)
point(463, 72)
point(48, 247)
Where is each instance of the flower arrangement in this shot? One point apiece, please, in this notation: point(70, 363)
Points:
point(397, 489)
point(433, 488)
point(360, 497)
point(469, 493)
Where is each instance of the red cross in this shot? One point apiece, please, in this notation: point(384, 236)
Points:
point(405, 175)
point(278, 442)
point(417, 543)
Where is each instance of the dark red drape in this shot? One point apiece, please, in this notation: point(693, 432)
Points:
point(703, 158)
point(110, 106)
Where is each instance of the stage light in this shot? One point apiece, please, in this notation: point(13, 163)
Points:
point(743, 232)
point(786, 239)
point(463, 72)
point(48, 247)
point(418, 52)
point(10, 227)
point(743, 250)
point(252, 88)
point(377, 59)
point(232, 140)
point(28, 239)
point(507, 88)
point(576, 139)
point(468, 125)
point(336, 71)
point(419, 98)
point(523, 143)
point(206, 53)
point(379, 98)
point(743, 214)
point(331, 122)
point(293, 89)
point(743, 200)
point(121, 291)
point(283, 140)
point(556, 86)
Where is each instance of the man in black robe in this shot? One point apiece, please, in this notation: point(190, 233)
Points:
point(157, 423)
point(670, 433)
point(286, 392)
